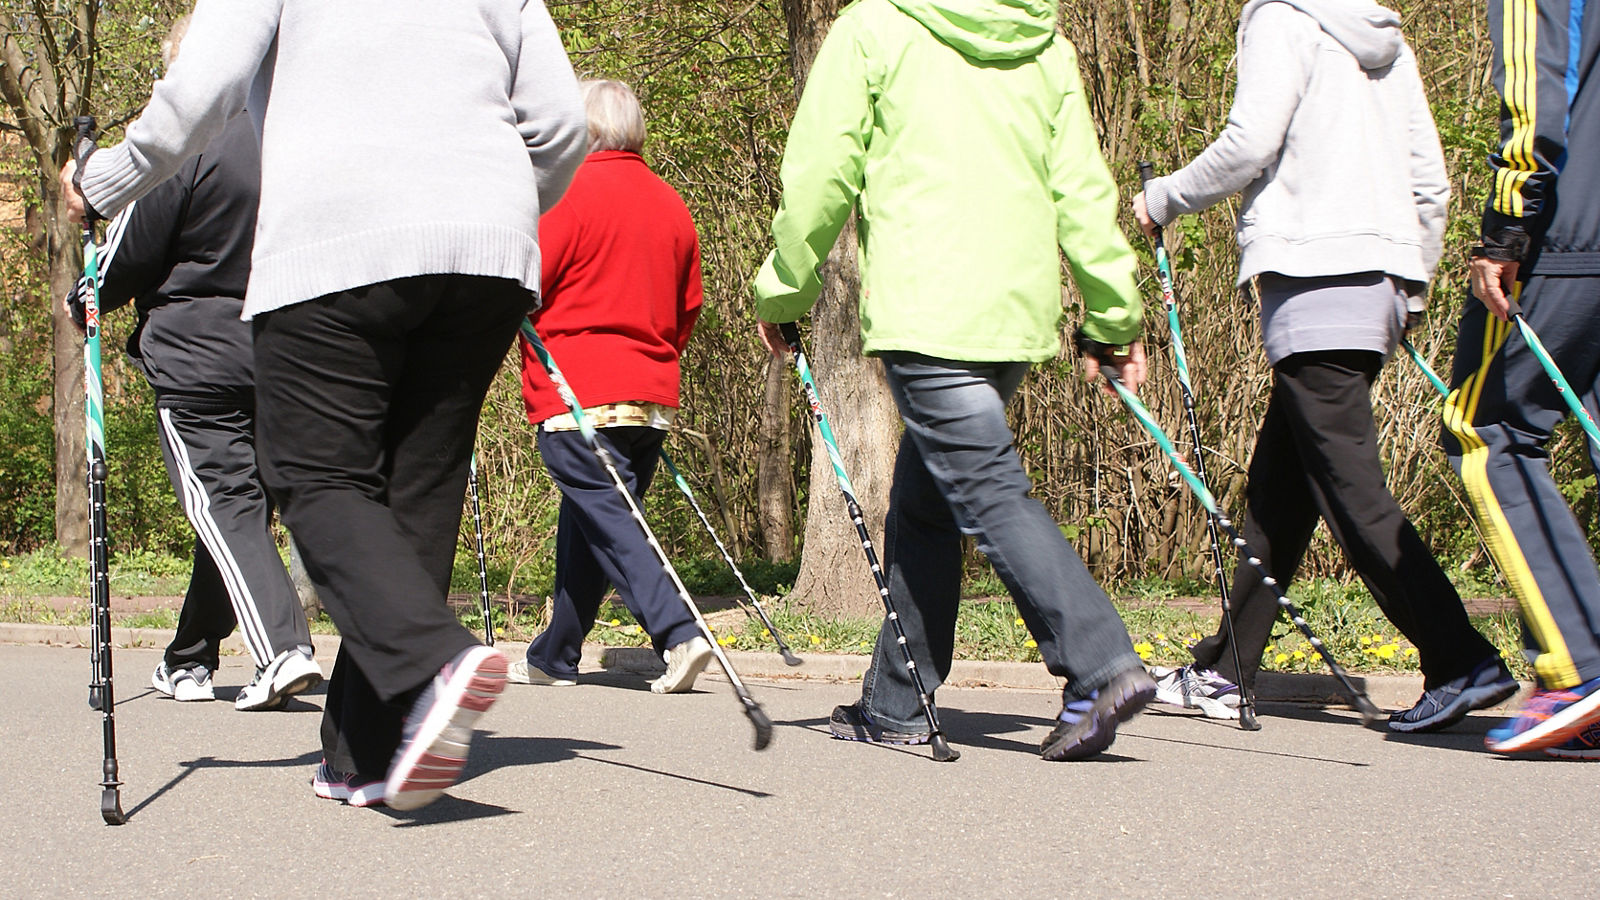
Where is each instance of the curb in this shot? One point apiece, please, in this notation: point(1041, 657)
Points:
point(1387, 691)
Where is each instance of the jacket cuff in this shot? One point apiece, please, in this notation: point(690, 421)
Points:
point(1156, 203)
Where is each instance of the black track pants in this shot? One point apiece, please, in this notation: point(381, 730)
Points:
point(1316, 456)
point(369, 404)
point(209, 447)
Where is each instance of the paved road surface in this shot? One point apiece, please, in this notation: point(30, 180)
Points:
point(605, 790)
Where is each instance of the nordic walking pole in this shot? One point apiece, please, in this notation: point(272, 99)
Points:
point(101, 692)
point(683, 485)
point(1247, 703)
point(1363, 704)
point(942, 751)
point(1568, 396)
point(477, 534)
point(1427, 370)
point(752, 709)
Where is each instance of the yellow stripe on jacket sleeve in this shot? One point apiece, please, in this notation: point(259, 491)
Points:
point(1519, 48)
point(1554, 665)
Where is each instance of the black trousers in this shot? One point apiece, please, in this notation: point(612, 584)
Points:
point(1316, 456)
point(208, 443)
point(598, 545)
point(368, 405)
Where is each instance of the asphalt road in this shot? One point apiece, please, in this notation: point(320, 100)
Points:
point(605, 790)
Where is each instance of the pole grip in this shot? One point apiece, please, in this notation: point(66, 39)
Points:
point(1147, 171)
point(790, 332)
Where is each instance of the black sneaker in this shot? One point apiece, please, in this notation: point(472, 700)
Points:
point(1087, 727)
point(1439, 708)
point(851, 723)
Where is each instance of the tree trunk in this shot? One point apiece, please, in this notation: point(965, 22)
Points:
point(72, 489)
point(834, 578)
point(774, 466)
point(833, 575)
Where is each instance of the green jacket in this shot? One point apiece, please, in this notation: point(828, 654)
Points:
point(960, 131)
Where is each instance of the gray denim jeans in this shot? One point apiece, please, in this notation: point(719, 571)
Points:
point(957, 472)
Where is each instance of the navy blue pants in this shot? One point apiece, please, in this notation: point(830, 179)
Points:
point(598, 544)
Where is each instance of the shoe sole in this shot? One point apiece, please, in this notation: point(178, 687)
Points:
point(166, 688)
point(1587, 755)
point(1557, 729)
point(685, 680)
point(433, 759)
point(1467, 701)
point(1100, 737)
point(865, 736)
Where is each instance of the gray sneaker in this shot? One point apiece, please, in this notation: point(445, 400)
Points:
point(186, 683)
point(292, 672)
point(523, 672)
point(685, 662)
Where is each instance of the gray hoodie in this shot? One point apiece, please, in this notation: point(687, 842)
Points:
point(1331, 140)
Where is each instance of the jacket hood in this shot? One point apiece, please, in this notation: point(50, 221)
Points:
point(1370, 32)
point(987, 29)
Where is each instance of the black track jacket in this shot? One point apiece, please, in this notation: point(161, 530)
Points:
point(181, 254)
point(1547, 169)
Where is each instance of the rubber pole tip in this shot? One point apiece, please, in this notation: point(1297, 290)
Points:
point(111, 807)
point(942, 751)
point(1370, 714)
point(789, 659)
point(1248, 720)
point(763, 725)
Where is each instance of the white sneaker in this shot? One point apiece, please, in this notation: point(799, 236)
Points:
point(685, 662)
point(185, 683)
point(521, 672)
point(292, 672)
point(1192, 687)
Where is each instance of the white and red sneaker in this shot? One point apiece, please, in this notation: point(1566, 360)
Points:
point(330, 784)
point(438, 730)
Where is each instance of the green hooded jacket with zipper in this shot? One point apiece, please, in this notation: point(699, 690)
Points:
point(960, 130)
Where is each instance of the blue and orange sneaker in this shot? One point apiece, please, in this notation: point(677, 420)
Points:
point(1548, 717)
point(1585, 746)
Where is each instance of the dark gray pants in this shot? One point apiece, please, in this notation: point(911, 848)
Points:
point(1498, 421)
point(208, 443)
point(957, 472)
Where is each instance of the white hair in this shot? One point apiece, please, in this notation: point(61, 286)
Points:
point(169, 44)
point(616, 121)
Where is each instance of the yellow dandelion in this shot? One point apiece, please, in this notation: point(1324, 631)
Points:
point(1377, 638)
point(1281, 658)
point(1269, 648)
point(1411, 651)
point(1194, 635)
point(1018, 621)
point(1030, 643)
point(1299, 654)
point(1161, 637)
point(614, 622)
point(814, 639)
point(1365, 641)
point(1387, 651)
point(863, 645)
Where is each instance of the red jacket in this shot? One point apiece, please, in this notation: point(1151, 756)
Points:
point(621, 286)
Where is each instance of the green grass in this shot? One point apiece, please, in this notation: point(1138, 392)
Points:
point(1161, 627)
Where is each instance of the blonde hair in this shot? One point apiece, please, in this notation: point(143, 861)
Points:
point(169, 44)
point(616, 121)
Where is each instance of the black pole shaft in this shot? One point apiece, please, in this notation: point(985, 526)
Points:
point(483, 568)
point(683, 485)
point(1169, 299)
point(942, 751)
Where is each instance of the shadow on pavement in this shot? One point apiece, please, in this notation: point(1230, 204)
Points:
point(445, 809)
point(309, 758)
point(493, 751)
point(664, 774)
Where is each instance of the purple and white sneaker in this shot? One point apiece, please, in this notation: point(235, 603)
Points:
point(352, 790)
point(438, 730)
point(1087, 727)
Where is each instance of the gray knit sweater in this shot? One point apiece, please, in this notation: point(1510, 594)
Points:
point(399, 137)
point(1331, 140)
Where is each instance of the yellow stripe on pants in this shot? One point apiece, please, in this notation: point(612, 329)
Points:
point(1554, 664)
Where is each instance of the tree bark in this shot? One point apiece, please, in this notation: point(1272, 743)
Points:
point(833, 575)
point(774, 465)
point(72, 489)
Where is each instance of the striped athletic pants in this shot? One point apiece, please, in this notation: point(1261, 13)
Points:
point(1498, 419)
point(209, 447)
